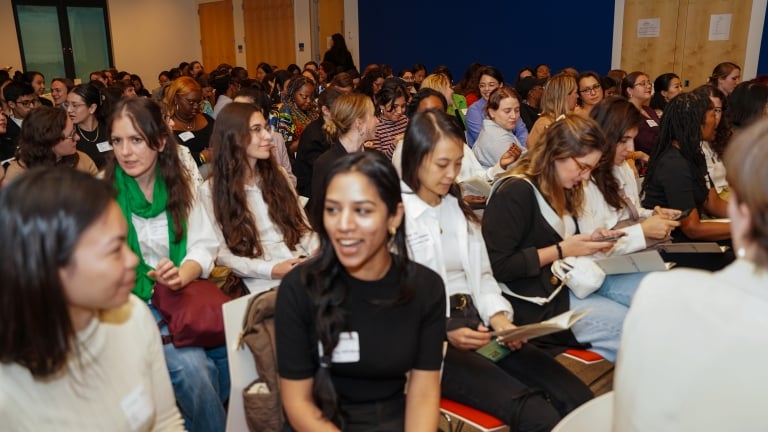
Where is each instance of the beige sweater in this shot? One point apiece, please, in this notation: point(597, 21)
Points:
point(119, 384)
point(84, 164)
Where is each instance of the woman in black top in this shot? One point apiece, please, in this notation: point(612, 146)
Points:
point(351, 322)
point(339, 55)
point(85, 107)
point(676, 178)
point(190, 125)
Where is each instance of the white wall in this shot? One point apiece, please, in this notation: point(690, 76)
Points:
point(149, 36)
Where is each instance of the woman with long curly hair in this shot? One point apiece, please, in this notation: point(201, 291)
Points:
point(256, 214)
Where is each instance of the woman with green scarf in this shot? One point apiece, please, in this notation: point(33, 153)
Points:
point(175, 243)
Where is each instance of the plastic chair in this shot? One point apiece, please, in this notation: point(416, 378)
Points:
point(242, 369)
point(594, 416)
point(457, 415)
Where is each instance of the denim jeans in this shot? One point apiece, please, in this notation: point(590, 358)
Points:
point(621, 287)
point(602, 326)
point(200, 379)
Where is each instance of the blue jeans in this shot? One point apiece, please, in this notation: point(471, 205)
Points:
point(200, 379)
point(601, 327)
point(621, 287)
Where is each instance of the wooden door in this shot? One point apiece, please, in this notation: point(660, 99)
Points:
point(682, 45)
point(269, 33)
point(652, 55)
point(331, 19)
point(217, 33)
point(701, 54)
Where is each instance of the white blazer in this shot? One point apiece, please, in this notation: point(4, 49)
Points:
point(425, 247)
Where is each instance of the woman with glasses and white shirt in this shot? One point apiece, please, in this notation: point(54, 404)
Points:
point(255, 211)
point(637, 87)
point(490, 79)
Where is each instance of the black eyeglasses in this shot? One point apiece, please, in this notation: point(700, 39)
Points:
point(592, 89)
point(29, 102)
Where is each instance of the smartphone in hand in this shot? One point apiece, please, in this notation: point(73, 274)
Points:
point(611, 238)
point(684, 214)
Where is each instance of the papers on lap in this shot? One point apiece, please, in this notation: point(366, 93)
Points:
point(555, 324)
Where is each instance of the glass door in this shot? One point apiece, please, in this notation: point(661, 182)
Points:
point(63, 38)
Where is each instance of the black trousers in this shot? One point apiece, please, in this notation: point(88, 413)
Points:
point(528, 389)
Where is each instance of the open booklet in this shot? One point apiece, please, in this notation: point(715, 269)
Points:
point(692, 247)
point(555, 324)
point(645, 261)
point(477, 186)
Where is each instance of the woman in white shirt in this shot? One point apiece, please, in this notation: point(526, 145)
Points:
point(77, 350)
point(257, 218)
point(174, 240)
point(611, 198)
point(699, 335)
point(444, 235)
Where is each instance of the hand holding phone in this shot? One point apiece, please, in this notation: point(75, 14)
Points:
point(683, 214)
point(612, 237)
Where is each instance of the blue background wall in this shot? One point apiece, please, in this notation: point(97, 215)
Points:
point(508, 34)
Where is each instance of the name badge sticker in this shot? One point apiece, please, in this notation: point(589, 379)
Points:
point(104, 146)
point(348, 348)
point(186, 136)
point(137, 407)
point(652, 123)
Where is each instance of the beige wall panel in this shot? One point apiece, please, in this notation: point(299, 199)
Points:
point(700, 54)
point(217, 34)
point(269, 33)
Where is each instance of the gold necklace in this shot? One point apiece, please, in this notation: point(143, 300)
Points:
point(82, 134)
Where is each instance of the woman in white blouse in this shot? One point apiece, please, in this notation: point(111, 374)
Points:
point(255, 211)
point(611, 198)
point(444, 235)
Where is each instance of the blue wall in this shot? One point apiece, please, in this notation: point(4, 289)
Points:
point(507, 34)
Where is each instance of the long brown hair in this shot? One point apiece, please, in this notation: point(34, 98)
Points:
point(572, 136)
point(147, 118)
point(230, 140)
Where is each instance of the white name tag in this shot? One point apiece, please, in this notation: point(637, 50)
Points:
point(418, 239)
point(348, 348)
point(137, 407)
point(652, 123)
point(104, 146)
point(186, 136)
point(158, 228)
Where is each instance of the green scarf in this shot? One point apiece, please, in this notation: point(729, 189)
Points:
point(132, 201)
